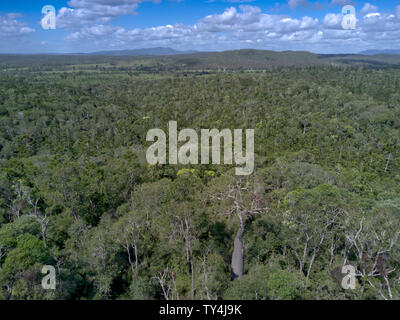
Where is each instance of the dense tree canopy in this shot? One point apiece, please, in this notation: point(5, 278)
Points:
point(77, 193)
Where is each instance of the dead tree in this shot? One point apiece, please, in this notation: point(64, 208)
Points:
point(24, 203)
point(373, 244)
point(311, 227)
point(245, 203)
point(129, 241)
point(204, 276)
point(3, 251)
point(388, 162)
point(40, 217)
point(16, 205)
point(184, 228)
point(166, 280)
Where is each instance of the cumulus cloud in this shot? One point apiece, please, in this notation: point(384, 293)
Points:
point(368, 8)
point(11, 27)
point(121, 35)
point(14, 15)
point(342, 2)
point(251, 19)
point(232, 27)
point(333, 21)
point(293, 4)
point(83, 13)
point(245, 26)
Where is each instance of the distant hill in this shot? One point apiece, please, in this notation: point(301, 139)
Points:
point(159, 51)
point(167, 59)
point(265, 59)
point(375, 52)
point(246, 59)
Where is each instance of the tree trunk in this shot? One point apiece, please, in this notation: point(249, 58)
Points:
point(237, 256)
point(192, 274)
point(43, 233)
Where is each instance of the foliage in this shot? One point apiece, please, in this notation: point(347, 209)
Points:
point(76, 191)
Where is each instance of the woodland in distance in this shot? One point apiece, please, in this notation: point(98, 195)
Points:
point(77, 193)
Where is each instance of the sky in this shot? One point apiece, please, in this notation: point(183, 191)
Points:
point(203, 25)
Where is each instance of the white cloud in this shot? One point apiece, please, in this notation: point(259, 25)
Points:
point(231, 19)
point(333, 21)
point(368, 8)
point(342, 2)
point(83, 13)
point(247, 26)
point(14, 15)
point(11, 27)
point(251, 19)
point(119, 35)
point(293, 4)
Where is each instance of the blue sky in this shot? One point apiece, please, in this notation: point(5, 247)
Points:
point(207, 25)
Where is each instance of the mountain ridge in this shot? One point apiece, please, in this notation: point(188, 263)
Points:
point(170, 59)
point(156, 51)
point(377, 51)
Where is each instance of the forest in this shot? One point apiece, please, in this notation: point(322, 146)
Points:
point(77, 193)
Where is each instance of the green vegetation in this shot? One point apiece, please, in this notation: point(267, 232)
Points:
point(77, 193)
